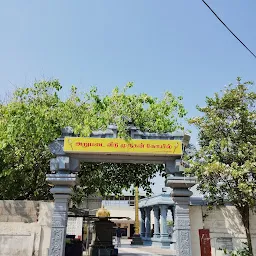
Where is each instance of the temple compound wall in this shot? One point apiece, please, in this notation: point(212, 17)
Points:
point(25, 228)
point(225, 228)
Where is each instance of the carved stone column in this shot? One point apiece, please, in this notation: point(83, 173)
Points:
point(61, 194)
point(182, 227)
point(142, 222)
point(156, 221)
point(180, 184)
point(148, 222)
point(63, 178)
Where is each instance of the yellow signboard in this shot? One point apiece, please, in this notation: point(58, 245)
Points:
point(120, 146)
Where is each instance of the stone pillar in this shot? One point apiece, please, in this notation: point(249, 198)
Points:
point(172, 211)
point(61, 194)
point(173, 241)
point(163, 216)
point(181, 234)
point(180, 184)
point(63, 179)
point(156, 221)
point(142, 222)
point(148, 223)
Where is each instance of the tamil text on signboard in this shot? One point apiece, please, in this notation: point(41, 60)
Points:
point(120, 146)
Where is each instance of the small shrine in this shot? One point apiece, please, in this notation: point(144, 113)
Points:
point(102, 243)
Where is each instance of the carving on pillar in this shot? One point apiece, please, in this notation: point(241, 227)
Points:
point(56, 223)
point(59, 219)
point(181, 208)
point(59, 223)
point(181, 234)
point(183, 223)
point(183, 243)
point(184, 238)
point(67, 131)
point(56, 147)
point(57, 245)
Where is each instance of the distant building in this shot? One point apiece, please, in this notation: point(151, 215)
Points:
point(122, 207)
point(75, 225)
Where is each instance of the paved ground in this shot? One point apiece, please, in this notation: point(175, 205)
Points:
point(144, 251)
point(127, 250)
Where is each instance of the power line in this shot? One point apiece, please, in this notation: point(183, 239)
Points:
point(229, 29)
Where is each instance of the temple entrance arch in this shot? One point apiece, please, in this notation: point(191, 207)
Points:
point(102, 146)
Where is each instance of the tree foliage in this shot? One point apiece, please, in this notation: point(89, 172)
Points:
point(34, 116)
point(239, 252)
point(225, 164)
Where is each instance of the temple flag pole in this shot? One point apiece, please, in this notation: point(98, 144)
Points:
point(136, 239)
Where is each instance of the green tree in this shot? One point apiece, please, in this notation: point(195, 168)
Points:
point(225, 164)
point(33, 118)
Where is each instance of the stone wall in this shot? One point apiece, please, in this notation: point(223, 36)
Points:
point(45, 221)
point(19, 211)
point(196, 223)
point(25, 228)
point(225, 226)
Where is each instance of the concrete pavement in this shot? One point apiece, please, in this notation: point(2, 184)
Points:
point(127, 250)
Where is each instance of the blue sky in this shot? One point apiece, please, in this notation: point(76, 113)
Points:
point(159, 45)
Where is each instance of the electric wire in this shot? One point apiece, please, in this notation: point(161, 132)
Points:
point(228, 28)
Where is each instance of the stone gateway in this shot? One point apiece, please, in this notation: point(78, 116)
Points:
point(105, 147)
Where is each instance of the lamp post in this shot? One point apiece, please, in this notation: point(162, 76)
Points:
point(136, 239)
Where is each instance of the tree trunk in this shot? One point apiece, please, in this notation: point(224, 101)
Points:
point(245, 215)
